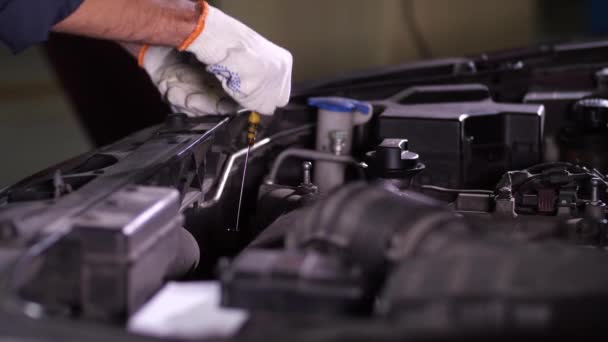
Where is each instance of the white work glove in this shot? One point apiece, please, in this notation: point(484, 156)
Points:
point(253, 71)
point(184, 83)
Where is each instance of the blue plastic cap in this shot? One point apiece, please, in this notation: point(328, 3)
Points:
point(340, 105)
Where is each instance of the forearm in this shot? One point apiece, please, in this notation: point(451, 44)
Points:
point(159, 22)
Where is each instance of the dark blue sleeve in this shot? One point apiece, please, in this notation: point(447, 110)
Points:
point(26, 22)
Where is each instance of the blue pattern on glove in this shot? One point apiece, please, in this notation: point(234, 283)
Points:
point(231, 79)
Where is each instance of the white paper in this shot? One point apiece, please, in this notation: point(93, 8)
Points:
point(187, 310)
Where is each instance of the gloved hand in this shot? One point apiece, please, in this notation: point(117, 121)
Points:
point(252, 70)
point(184, 83)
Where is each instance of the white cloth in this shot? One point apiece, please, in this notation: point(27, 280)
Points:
point(187, 311)
point(185, 84)
point(252, 70)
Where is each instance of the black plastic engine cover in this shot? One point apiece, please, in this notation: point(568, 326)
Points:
point(463, 144)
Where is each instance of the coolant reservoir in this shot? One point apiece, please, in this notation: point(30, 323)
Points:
point(336, 120)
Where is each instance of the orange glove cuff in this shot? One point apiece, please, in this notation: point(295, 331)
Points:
point(142, 54)
point(200, 26)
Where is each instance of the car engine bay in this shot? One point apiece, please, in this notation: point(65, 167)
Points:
point(449, 199)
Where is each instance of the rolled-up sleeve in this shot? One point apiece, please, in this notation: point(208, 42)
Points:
point(27, 22)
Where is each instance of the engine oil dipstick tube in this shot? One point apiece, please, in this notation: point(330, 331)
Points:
point(252, 130)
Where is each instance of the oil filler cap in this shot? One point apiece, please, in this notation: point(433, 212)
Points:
point(393, 159)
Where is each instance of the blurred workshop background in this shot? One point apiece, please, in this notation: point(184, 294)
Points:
point(41, 123)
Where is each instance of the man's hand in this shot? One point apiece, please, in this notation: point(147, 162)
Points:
point(252, 70)
point(184, 83)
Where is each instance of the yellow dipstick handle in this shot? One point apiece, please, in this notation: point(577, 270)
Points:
point(254, 121)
